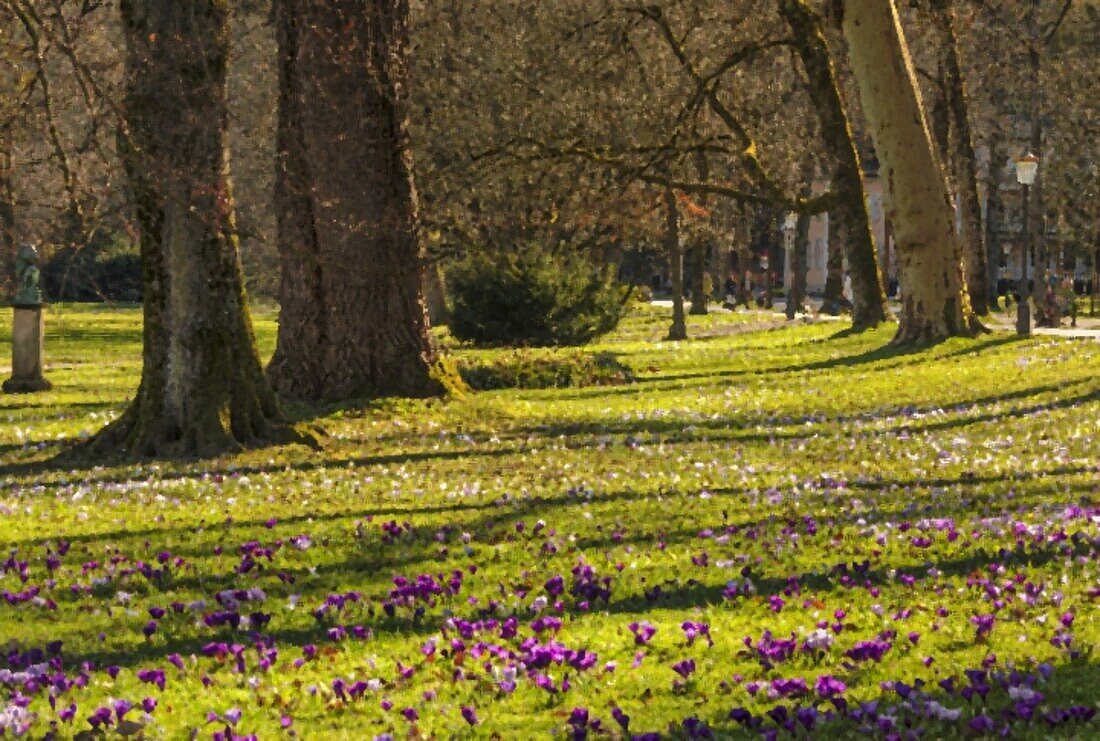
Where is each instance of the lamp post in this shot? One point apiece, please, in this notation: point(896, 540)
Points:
point(1027, 167)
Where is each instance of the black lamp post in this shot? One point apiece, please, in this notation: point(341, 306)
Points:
point(1027, 167)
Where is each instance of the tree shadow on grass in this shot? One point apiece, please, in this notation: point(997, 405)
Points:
point(675, 594)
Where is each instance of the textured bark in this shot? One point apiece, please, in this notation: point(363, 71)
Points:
point(678, 330)
point(935, 304)
point(964, 164)
point(202, 388)
point(7, 213)
point(869, 298)
point(353, 322)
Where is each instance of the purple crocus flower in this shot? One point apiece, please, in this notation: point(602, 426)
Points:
point(469, 715)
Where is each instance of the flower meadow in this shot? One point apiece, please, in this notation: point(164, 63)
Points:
point(767, 533)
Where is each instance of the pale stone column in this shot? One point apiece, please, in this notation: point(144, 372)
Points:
point(27, 351)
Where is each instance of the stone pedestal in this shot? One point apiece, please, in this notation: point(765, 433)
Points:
point(27, 354)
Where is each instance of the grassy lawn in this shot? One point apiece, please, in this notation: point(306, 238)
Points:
point(821, 534)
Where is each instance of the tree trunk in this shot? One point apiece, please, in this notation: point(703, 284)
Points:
point(699, 249)
point(202, 388)
point(678, 330)
point(869, 298)
point(7, 213)
point(435, 294)
point(353, 321)
point(834, 267)
point(994, 217)
point(796, 297)
point(963, 160)
point(935, 304)
point(1035, 71)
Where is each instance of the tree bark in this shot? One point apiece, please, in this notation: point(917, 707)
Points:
point(1035, 73)
point(869, 298)
point(435, 294)
point(353, 321)
point(935, 304)
point(678, 330)
point(699, 249)
point(202, 388)
point(834, 267)
point(7, 212)
point(994, 218)
point(963, 160)
point(796, 298)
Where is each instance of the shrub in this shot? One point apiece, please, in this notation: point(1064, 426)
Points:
point(533, 297)
point(531, 369)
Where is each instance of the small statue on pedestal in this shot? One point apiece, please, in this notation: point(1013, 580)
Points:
point(28, 327)
point(27, 276)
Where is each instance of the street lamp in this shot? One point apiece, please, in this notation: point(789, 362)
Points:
point(1027, 167)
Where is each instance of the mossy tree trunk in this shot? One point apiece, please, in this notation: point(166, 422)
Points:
point(203, 389)
point(353, 321)
point(869, 297)
point(678, 330)
point(935, 304)
point(963, 159)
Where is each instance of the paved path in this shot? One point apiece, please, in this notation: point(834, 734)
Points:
point(1087, 329)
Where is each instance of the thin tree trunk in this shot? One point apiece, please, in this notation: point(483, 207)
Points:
point(202, 389)
point(353, 322)
point(678, 330)
point(796, 298)
point(963, 159)
point(435, 294)
point(7, 213)
point(869, 298)
point(834, 267)
point(699, 249)
point(935, 304)
point(994, 218)
point(1038, 212)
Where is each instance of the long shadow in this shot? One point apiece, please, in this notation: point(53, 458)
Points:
point(38, 467)
point(681, 594)
point(676, 425)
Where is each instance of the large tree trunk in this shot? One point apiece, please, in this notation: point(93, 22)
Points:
point(869, 298)
point(678, 330)
point(7, 213)
point(935, 304)
point(202, 388)
point(963, 159)
point(353, 321)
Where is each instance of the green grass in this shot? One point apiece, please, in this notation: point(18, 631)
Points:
point(783, 453)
